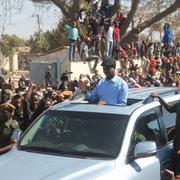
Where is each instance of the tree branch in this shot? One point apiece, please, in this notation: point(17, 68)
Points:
point(130, 16)
point(129, 37)
point(63, 6)
point(116, 7)
point(75, 9)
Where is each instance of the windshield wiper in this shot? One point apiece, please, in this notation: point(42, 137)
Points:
point(40, 149)
point(90, 154)
point(87, 154)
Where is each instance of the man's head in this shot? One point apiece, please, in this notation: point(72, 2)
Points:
point(17, 101)
point(6, 111)
point(48, 103)
point(22, 76)
point(34, 102)
point(6, 95)
point(74, 24)
point(109, 66)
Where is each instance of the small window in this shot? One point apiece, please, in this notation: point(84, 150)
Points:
point(146, 129)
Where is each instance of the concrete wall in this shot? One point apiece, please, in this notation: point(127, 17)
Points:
point(37, 72)
point(4, 62)
point(9, 64)
point(64, 65)
point(15, 62)
point(61, 55)
point(80, 68)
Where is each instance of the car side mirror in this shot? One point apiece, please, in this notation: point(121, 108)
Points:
point(145, 149)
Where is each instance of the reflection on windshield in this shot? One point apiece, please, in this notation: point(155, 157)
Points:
point(77, 133)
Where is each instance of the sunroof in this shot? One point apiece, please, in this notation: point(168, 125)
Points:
point(132, 101)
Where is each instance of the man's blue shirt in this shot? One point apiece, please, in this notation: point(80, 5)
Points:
point(113, 91)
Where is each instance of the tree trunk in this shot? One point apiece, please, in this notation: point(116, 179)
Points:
point(134, 32)
point(130, 16)
point(116, 7)
point(64, 7)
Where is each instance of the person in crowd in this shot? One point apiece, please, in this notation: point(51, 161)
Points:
point(6, 95)
point(178, 48)
point(64, 82)
point(48, 77)
point(152, 66)
point(7, 127)
point(168, 34)
point(96, 35)
point(22, 82)
point(73, 37)
point(176, 143)
point(86, 53)
point(30, 105)
point(111, 90)
point(116, 41)
point(96, 77)
point(108, 34)
point(17, 102)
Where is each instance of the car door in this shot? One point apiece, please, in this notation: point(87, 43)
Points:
point(147, 128)
point(167, 121)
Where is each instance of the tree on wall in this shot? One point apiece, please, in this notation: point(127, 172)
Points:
point(38, 43)
point(9, 44)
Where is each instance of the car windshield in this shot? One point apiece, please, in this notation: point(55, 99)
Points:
point(80, 134)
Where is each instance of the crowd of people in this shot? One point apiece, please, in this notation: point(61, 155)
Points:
point(158, 61)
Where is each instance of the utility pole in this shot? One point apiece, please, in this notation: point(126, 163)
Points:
point(39, 26)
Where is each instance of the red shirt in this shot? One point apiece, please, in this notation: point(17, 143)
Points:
point(116, 34)
point(152, 66)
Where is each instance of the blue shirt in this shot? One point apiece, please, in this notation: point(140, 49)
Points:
point(113, 91)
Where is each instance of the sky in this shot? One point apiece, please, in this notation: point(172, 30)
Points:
point(24, 23)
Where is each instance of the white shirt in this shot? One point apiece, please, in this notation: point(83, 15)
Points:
point(83, 50)
point(109, 34)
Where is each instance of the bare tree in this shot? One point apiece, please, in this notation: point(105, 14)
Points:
point(8, 8)
point(71, 8)
point(147, 23)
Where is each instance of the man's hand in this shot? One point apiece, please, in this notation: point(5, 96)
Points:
point(7, 148)
point(154, 95)
point(32, 84)
point(101, 103)
point(167, 175)
point(82, 86)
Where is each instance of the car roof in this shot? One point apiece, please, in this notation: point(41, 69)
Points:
point(136, 98)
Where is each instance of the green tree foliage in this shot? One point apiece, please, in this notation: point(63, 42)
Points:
point(49, 40)
point(9, 44)
point(57, 37)
point(38, 43)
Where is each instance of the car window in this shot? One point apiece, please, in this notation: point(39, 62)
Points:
point(77, 133)
point(147, 128)
point(169, 120)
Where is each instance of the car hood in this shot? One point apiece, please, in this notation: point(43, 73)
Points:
point(26, 165)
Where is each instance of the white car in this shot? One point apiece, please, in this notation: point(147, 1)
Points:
point(78, 140)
